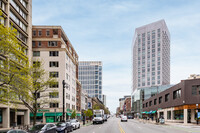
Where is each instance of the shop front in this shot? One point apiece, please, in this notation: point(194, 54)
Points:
point(52, 117)
point(39, 117)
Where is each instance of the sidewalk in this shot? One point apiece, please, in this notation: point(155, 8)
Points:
point(86, 123)
point(189, 125)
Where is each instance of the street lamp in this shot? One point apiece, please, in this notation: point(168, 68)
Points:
point(64, 85)
point(197, 105)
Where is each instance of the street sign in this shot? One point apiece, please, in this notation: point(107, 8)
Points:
point(198, 115)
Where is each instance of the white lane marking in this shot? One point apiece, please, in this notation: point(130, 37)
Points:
point(139, 127)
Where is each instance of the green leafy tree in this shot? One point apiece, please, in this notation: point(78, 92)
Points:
point(88, 113)
point(73, 116)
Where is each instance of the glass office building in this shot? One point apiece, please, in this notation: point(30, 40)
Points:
point(90, 76)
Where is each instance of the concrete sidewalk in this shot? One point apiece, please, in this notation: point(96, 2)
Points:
point(189, 125)
point(87, 123)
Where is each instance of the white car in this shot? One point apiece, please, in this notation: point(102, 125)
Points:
point(75, 123)
point(124, 118)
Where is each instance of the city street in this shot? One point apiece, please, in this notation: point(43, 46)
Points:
point(114, 125)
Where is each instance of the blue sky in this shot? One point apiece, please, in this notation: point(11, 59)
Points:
point(103, 30)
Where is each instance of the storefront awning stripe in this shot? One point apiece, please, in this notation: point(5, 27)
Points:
point(38, 114)
point(78, 114)
point(69, 114)
point(53, 114)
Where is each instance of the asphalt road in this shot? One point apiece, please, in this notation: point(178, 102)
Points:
point(114, 125)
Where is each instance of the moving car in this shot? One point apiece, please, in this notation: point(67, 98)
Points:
point(124, 118)
point(105, 118)
point(75, 123)
point(130, 117)
point(63, 127)
point(43, 128)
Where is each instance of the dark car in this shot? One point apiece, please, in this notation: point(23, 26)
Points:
point(130, 117)
point(43, 128)
point(63, 127)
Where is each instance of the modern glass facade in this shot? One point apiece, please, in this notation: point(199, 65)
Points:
point(142, 94)
point(90, 76)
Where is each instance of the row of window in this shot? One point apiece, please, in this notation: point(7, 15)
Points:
point(19, 10)
point(50, 44)
point(55, 32)
point(176, 94)
point(18, 22)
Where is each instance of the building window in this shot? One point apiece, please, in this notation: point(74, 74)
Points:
point(53, 53)
point(54, 105)
point(47, 32)
point(167, 97)
point(146, 104)
point(34, 33)
point(160, 100)
point(155, 101)
point(150, 103)
point(53, 64)
point(52, 44)
point(177, 94)
point(54, 74)
point(169, 115)
point(36, 53)
point(33, 43)
point(54, 85)
point(53, 95)
point(39, 33)
point(36, 63)
point(195, 89)
point(178, 114)
point(39, 44)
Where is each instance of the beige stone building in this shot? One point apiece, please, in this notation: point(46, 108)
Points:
point(52, 47)
point(18, 14)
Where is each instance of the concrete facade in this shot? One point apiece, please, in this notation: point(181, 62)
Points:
point(18, 14)
point(151, 55)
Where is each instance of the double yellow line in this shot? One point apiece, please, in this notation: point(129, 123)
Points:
point(120, 128)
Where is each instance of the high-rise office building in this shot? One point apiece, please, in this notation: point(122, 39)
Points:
point(151, 55)
point(90, 76)
point(17, 14)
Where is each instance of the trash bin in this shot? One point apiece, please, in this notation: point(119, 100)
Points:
point(162, 121)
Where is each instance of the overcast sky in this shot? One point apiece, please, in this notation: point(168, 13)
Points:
point(103, 30)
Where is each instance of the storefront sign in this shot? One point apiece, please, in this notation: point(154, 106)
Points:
point(43, 110)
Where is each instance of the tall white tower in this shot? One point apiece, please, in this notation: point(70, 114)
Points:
point(151, 55)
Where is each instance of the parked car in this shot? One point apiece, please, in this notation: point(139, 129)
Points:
point(105, 118)
point(63, 127)
point(75, 123)
point(124, 118)
point(43, 128)
point(130, 117)
point(14, 131)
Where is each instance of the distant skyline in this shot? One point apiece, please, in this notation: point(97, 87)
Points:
point(103, 30)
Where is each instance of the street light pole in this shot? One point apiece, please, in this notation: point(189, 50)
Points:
point(63, 100)
point(197, 105)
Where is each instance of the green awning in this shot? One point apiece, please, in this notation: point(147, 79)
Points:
point(53, 114)
point(153, 112)
point(78, 114)
point(69, 114)
point(38, 114)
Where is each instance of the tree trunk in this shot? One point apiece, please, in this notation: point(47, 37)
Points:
point(34, 117)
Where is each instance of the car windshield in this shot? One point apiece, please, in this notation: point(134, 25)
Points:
point(98, 115)
point(61, 124)
point(37, 127)
point(73, 121)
